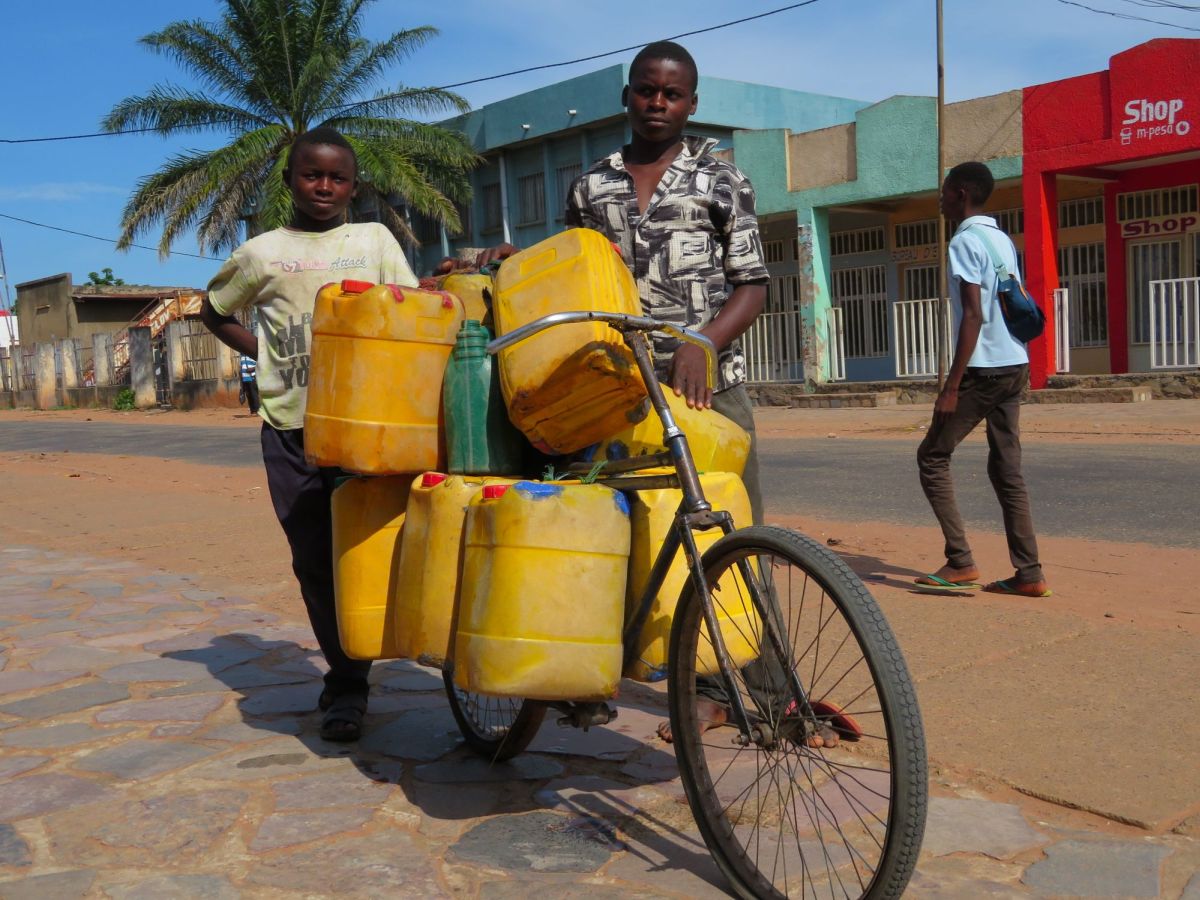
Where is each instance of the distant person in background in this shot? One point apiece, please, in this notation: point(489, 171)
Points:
point(989, 371)
point(249, 392)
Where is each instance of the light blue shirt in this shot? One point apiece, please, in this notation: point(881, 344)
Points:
point(970, 262)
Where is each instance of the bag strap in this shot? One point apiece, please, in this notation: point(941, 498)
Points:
point(997, 263)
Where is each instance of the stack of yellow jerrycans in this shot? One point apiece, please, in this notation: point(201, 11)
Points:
point(444, 548)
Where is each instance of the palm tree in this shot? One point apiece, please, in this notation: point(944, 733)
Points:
point(268, 71)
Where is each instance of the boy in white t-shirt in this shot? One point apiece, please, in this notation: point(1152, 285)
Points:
point(989, 371)
point(279, 273)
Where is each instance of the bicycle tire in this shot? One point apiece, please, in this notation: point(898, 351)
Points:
point(496, 728)
point(869, 712)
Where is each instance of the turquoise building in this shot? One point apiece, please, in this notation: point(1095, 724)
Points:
point(535, 144)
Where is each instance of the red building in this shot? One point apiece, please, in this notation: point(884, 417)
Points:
point(1111, 171)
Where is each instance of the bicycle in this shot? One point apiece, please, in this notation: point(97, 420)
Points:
point(814, 778)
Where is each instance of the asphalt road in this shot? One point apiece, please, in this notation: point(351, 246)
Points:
point(1115, 492)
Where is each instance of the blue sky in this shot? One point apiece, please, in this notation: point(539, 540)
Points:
point(68, 62)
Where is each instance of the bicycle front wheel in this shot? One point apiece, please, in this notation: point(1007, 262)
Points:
point(496, 728)
point(823, 791)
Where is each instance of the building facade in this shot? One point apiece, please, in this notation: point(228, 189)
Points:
point(1096, 183)
point(535, 144)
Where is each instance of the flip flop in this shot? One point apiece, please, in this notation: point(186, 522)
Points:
point(1013, 588)
point(942, 586)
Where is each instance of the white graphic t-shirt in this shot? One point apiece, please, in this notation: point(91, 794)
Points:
point(280, 273)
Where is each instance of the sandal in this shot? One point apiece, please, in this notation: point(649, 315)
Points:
point(1018, 588)
point(935, 584)
point(344, 717)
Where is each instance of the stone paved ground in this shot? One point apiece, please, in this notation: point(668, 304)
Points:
point(157, 740)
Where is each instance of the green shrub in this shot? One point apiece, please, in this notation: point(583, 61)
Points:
point(124, 399)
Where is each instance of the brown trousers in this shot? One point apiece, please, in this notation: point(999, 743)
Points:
point(993, 395)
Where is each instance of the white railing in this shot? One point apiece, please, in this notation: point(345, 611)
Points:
point(917, 337)
point(1175, 323)
point(773, 348)
point(835, 331)
point(1062, 331)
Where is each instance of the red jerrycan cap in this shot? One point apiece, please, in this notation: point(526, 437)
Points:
point(350, 286)
point(494, 491)
point(432, 479)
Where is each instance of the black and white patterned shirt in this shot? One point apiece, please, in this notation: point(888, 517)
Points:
point(697, 240)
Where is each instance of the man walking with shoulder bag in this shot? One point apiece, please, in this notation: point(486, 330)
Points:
point(989, 371)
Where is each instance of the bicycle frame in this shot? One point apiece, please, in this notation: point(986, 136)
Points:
point(694, 512)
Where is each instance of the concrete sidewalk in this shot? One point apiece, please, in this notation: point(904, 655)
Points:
point(157, 740)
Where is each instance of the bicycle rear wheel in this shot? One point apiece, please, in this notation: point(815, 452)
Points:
point(827, 797)
point(496, 728)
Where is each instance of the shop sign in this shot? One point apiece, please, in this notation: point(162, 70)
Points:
point(1167, 225)
point(924, 254)
point(1146, 120)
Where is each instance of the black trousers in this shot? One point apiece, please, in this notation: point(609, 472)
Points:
point(994, 396)
point(301, 494)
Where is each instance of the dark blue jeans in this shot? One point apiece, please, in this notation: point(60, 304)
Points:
point(301, 493)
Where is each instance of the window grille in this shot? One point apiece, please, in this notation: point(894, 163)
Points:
point(861, 294)
point(858, 240)
point(1011, 221)
point(916, 234)
point(1081, 213)
point(564, 177)
point(493, 215)
point(773, 251)
point(921, 282)
point(1081, 272)
point(531, 195)
point(1151, 204)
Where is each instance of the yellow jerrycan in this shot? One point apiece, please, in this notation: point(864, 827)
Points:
point(652, 513)
point(542, 596)
point(368, 522)
point(430, 561)
point(475, 290)
point(571, 385)
point(375, 380)
point(718, 444)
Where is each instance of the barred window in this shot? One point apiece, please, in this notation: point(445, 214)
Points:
point(858, 240)
point(1011, 221)
point(861, 294)
point(564, 177)
point(916, 234)
point(773, 251)
point(921, 282)
point(531, 197)
point(1081, 272)
point(464, 220)
point(1151, 204)
point(426, 229)
point(1080, 213)
point(493, 216)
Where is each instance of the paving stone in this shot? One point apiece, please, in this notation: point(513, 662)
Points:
point(243, 618)
point(97, 587)
point(279, 700)
point(369, 866)
point(240, 732)
point(25, 633)
point(253, 674)
point(313, 664)
point(426, 734)
point(15, 765)
point(472, 769)
point(68, 734)
point(93, 659)
point(422, 680)
point(134, 638)
point(180, 827)
point(598, 796)
point(289, 829)
point(155, 670)
point(1192, 890)
point(956, 887)
point(20, 680)
point(142, 759)
point(329, 789)
point(296, 637)
point(386, 704)
point(13, 849)
point(76, 883)
point(35, 795)
point(177, 887)
point(280, 757)
point(67, 700)
point(168, 608)
point(563, 889)
point(669, 860)
point(175, 729)
point(168, 709)
point(997, 830)
point(194, 640)
point(538, 842)
point(447, 807)
point(597, 743)
point(3, 656)
point(1098, 869)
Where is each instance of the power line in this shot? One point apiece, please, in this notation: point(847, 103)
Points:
point(1121, 15)
point(444, 87)
point(1165, 4)
point(96, 237)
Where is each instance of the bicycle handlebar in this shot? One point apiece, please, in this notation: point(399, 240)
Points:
point(622, 322)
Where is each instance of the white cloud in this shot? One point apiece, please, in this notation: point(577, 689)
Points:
point(58, 191)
